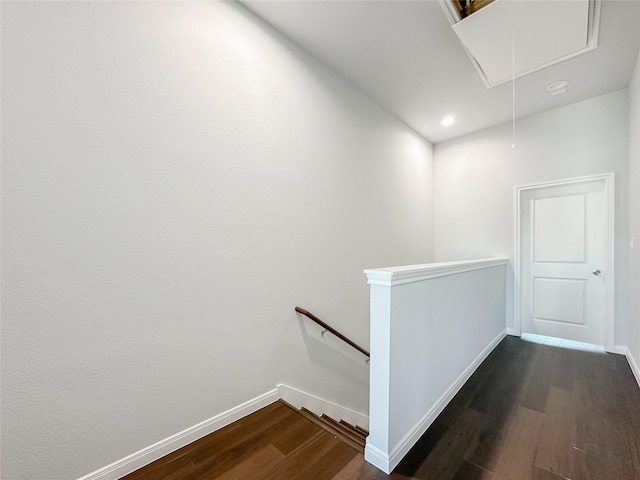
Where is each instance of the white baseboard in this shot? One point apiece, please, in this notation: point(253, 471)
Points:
point(377, 457)
point(299, 399)
point(634, 365)
point(387, 463)
point(158, 450)
point(619, 349)
point(317, 405)
point(512, 332)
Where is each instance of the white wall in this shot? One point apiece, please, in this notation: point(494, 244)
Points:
point(634, 213)
point(475, 176)
point(431, 328)
point(176, 177)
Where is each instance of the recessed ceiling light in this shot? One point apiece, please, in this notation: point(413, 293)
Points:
point(559, 85)
point(448, 120)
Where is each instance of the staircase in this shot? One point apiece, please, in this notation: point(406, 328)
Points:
point(352, 435)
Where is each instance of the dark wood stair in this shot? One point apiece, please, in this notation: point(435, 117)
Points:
point(352, 435)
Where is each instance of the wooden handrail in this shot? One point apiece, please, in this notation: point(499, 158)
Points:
point(332, 330)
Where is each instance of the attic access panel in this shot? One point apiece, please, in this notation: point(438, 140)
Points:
point(542, 32)
point(467, 7)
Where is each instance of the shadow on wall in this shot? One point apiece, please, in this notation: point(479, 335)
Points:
point(332, 354)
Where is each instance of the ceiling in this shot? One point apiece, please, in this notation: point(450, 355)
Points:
point(406, 56)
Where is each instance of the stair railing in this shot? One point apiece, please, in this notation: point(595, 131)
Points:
point(329, 328)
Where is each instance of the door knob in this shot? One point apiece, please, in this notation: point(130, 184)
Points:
point(596, 272)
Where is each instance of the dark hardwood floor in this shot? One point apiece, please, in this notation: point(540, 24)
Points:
point(530, 412)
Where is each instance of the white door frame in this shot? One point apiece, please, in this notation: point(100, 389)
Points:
point(609, 188)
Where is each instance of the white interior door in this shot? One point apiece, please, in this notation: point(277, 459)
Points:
point(563, 252)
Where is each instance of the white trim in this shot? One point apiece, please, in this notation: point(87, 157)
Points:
point(318, 405)
point(378, 458)
point(618, 349)
point(449, 10)
point(512, 332)
point(517, 223)
point(609, 185)
point(392, 276)
point(609, 335)
point(634, 365)
point(158, 450)
point(387, 463)
point(566, 181)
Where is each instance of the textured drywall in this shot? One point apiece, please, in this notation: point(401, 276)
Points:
point(176, 177)
point(475, 176)
point(634, 213)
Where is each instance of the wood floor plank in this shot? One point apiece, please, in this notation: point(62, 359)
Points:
point(264, 459)
point(236, 432)
point(565, 365)
point(369, 472)
point(164, 467)
point(501, 391)
point(351, 469)
point(469, 471)
point(297, 434)
point(540, 474)
point(328, 464)
point(619, 461)
point(301, 458)
point(213, 462)
point(421, 450)
point(557, 434)
point(484, 450)
point(447, 456)
point(587, 466)
point(607, 427)
point(622, 408)
point(590, 422)
point(633, 440)
point(538, 383)
point(517, 456)
point(467, 391)
point(451, 413)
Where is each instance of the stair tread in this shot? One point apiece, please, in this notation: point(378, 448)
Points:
point(360, 432)
point(349, 439)
point(345, 431)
